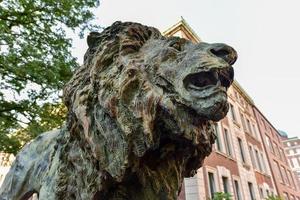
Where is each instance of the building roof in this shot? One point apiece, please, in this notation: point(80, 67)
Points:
point(283, 134)
point(243, 92)
point(184, 30)
point(290, 139)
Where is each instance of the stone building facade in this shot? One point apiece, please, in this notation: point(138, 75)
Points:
point(239, 164)
point(285, 180)
point(292, 151)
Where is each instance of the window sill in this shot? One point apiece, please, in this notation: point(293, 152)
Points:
point(246, 166)
point(225, 155)
point(262, 173)
point(250, 135)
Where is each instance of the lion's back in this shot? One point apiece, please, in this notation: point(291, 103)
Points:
point(32, 161)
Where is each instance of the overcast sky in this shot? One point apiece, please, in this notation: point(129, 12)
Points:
point(265, 33)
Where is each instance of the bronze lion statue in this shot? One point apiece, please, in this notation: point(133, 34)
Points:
point(140, 115)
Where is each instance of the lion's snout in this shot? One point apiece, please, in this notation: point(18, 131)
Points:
point(227, 53)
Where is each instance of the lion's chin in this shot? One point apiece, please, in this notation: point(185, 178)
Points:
point(214, 108)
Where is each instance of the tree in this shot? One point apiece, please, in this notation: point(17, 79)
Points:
point(35, 62)
point(222, 196)
point(272, 197)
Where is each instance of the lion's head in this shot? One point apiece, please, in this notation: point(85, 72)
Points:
point(139, 92)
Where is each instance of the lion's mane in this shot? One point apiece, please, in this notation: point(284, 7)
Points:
point(115, 121)
point(140, 111)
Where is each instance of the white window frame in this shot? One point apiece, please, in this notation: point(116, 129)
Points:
point(236, 179)
point(214, 172)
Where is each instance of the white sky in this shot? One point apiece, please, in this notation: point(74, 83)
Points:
point(266, 34)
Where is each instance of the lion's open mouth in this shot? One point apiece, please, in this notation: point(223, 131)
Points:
point(203, 80)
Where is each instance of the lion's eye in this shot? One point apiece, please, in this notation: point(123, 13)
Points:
point(176, 46)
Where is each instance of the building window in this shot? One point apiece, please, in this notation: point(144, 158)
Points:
point(261, 193)
point(276, 149)
point(236, 95)
point(263, 123)
point(254, 130)
point(291, 179)
point(291, 163)
point(232, 112)
point(227, 142)
point(277, 169)
point(237, 190)
point(243, 122)
point(269, 144)
point(258, 160)
point(295, 162)
point(281, 154)
point(286, 196)
point(283, 172)
point(218, 139)
point(241, 150)
point(225, 184)
point(263, 162)
point(212, 184)
point(249, 126)
point(251, 191)
point(268, 192)
point(252, 157)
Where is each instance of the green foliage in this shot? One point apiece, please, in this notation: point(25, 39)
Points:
point(35, 63)
point(272, 197)
point(222, 196)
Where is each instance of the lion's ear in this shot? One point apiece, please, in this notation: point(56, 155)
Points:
point(93, 39)
point(135, 36)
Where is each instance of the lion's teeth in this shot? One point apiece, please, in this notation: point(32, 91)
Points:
point(194, 87)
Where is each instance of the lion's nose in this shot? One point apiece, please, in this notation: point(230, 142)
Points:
point(225, 52)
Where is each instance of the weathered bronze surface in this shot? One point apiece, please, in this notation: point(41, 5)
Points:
point(140, 114)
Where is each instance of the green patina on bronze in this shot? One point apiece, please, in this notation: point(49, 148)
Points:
point(140, 115)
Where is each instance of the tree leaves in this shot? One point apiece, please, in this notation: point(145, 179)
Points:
point(35, 63)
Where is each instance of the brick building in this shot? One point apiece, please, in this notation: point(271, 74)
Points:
point(285, 180)
point(292, 151)
point(239, 164)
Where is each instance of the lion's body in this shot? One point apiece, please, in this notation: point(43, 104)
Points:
point(33, 161)
point(139, 121)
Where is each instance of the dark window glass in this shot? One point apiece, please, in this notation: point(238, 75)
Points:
point(225, 184)
point(237, 190)
point(252, 157)
point(251, 191)
point(218, 139)
point(227, 142)
point(249, 126)
point(232, 112)
point(243, 122)
point(258, 160)
point(212, 185)
point(241, 150)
